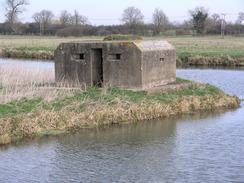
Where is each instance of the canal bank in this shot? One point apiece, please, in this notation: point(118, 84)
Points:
point(211, 61)
point(27, 54)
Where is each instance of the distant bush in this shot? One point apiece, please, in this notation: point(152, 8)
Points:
point(168, 33)
point(70, 31)
point(182, 32)
point(122, 37)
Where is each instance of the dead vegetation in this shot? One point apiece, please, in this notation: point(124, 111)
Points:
point(21, 81)
point(212, 61)
point(24, 125)
point(35, 55)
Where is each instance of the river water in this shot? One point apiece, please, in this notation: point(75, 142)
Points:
point(198, 147)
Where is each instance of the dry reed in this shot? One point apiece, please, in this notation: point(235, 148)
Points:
point(214, 61)
point(41, 55)
point(99, 115)
point(21, 80)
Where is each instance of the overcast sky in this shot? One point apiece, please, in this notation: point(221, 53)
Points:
point(108, 12)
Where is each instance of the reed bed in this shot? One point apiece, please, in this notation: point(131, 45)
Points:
point(211, 61)
point(27, 54)
point(18, 81)
point(21, 74)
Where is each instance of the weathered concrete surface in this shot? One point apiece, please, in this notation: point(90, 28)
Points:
point(123, 64)
point(167, 88)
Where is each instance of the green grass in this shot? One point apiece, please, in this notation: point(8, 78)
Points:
point(180, 80)
point(208, 46)
point(51, 132)
point(21, 106)
point(122, 37)
point(195, 90)
point(97, 96)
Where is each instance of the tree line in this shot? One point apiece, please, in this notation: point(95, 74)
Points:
point(68, 24)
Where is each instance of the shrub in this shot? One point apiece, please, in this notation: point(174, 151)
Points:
point(70, 31)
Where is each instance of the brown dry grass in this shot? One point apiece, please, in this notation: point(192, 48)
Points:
point(21, 81)
point(99, 115)
point(36, 55)
point(26, 125)
point(215, 61)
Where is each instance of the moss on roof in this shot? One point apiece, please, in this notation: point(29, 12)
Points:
point(122, 37)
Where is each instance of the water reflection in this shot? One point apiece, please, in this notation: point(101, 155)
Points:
point(231, 82)
point(111, 152)
point(30, 63)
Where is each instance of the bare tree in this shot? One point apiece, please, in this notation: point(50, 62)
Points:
point(199, 17)
point(13, 9)
point(216, 19)
point(132, 17)
point(240, 18)
point(43, 18)
point(78, 19)
point(64, 18)
point(213, 24)
point(160, 21)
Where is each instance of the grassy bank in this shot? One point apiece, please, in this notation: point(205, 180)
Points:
point(94, 107)
point(211, 61)
point(31, 105)
point(209, 50)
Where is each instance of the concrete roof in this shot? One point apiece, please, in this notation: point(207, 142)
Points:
point(151, 45)
point(142, 45)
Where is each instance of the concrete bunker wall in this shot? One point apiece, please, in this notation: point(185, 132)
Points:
point(121, 64)
point(73, 63)
point(159, 68)
point(95, 64)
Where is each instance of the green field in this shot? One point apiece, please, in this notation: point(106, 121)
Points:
point(208, 46)
point(186, 46)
